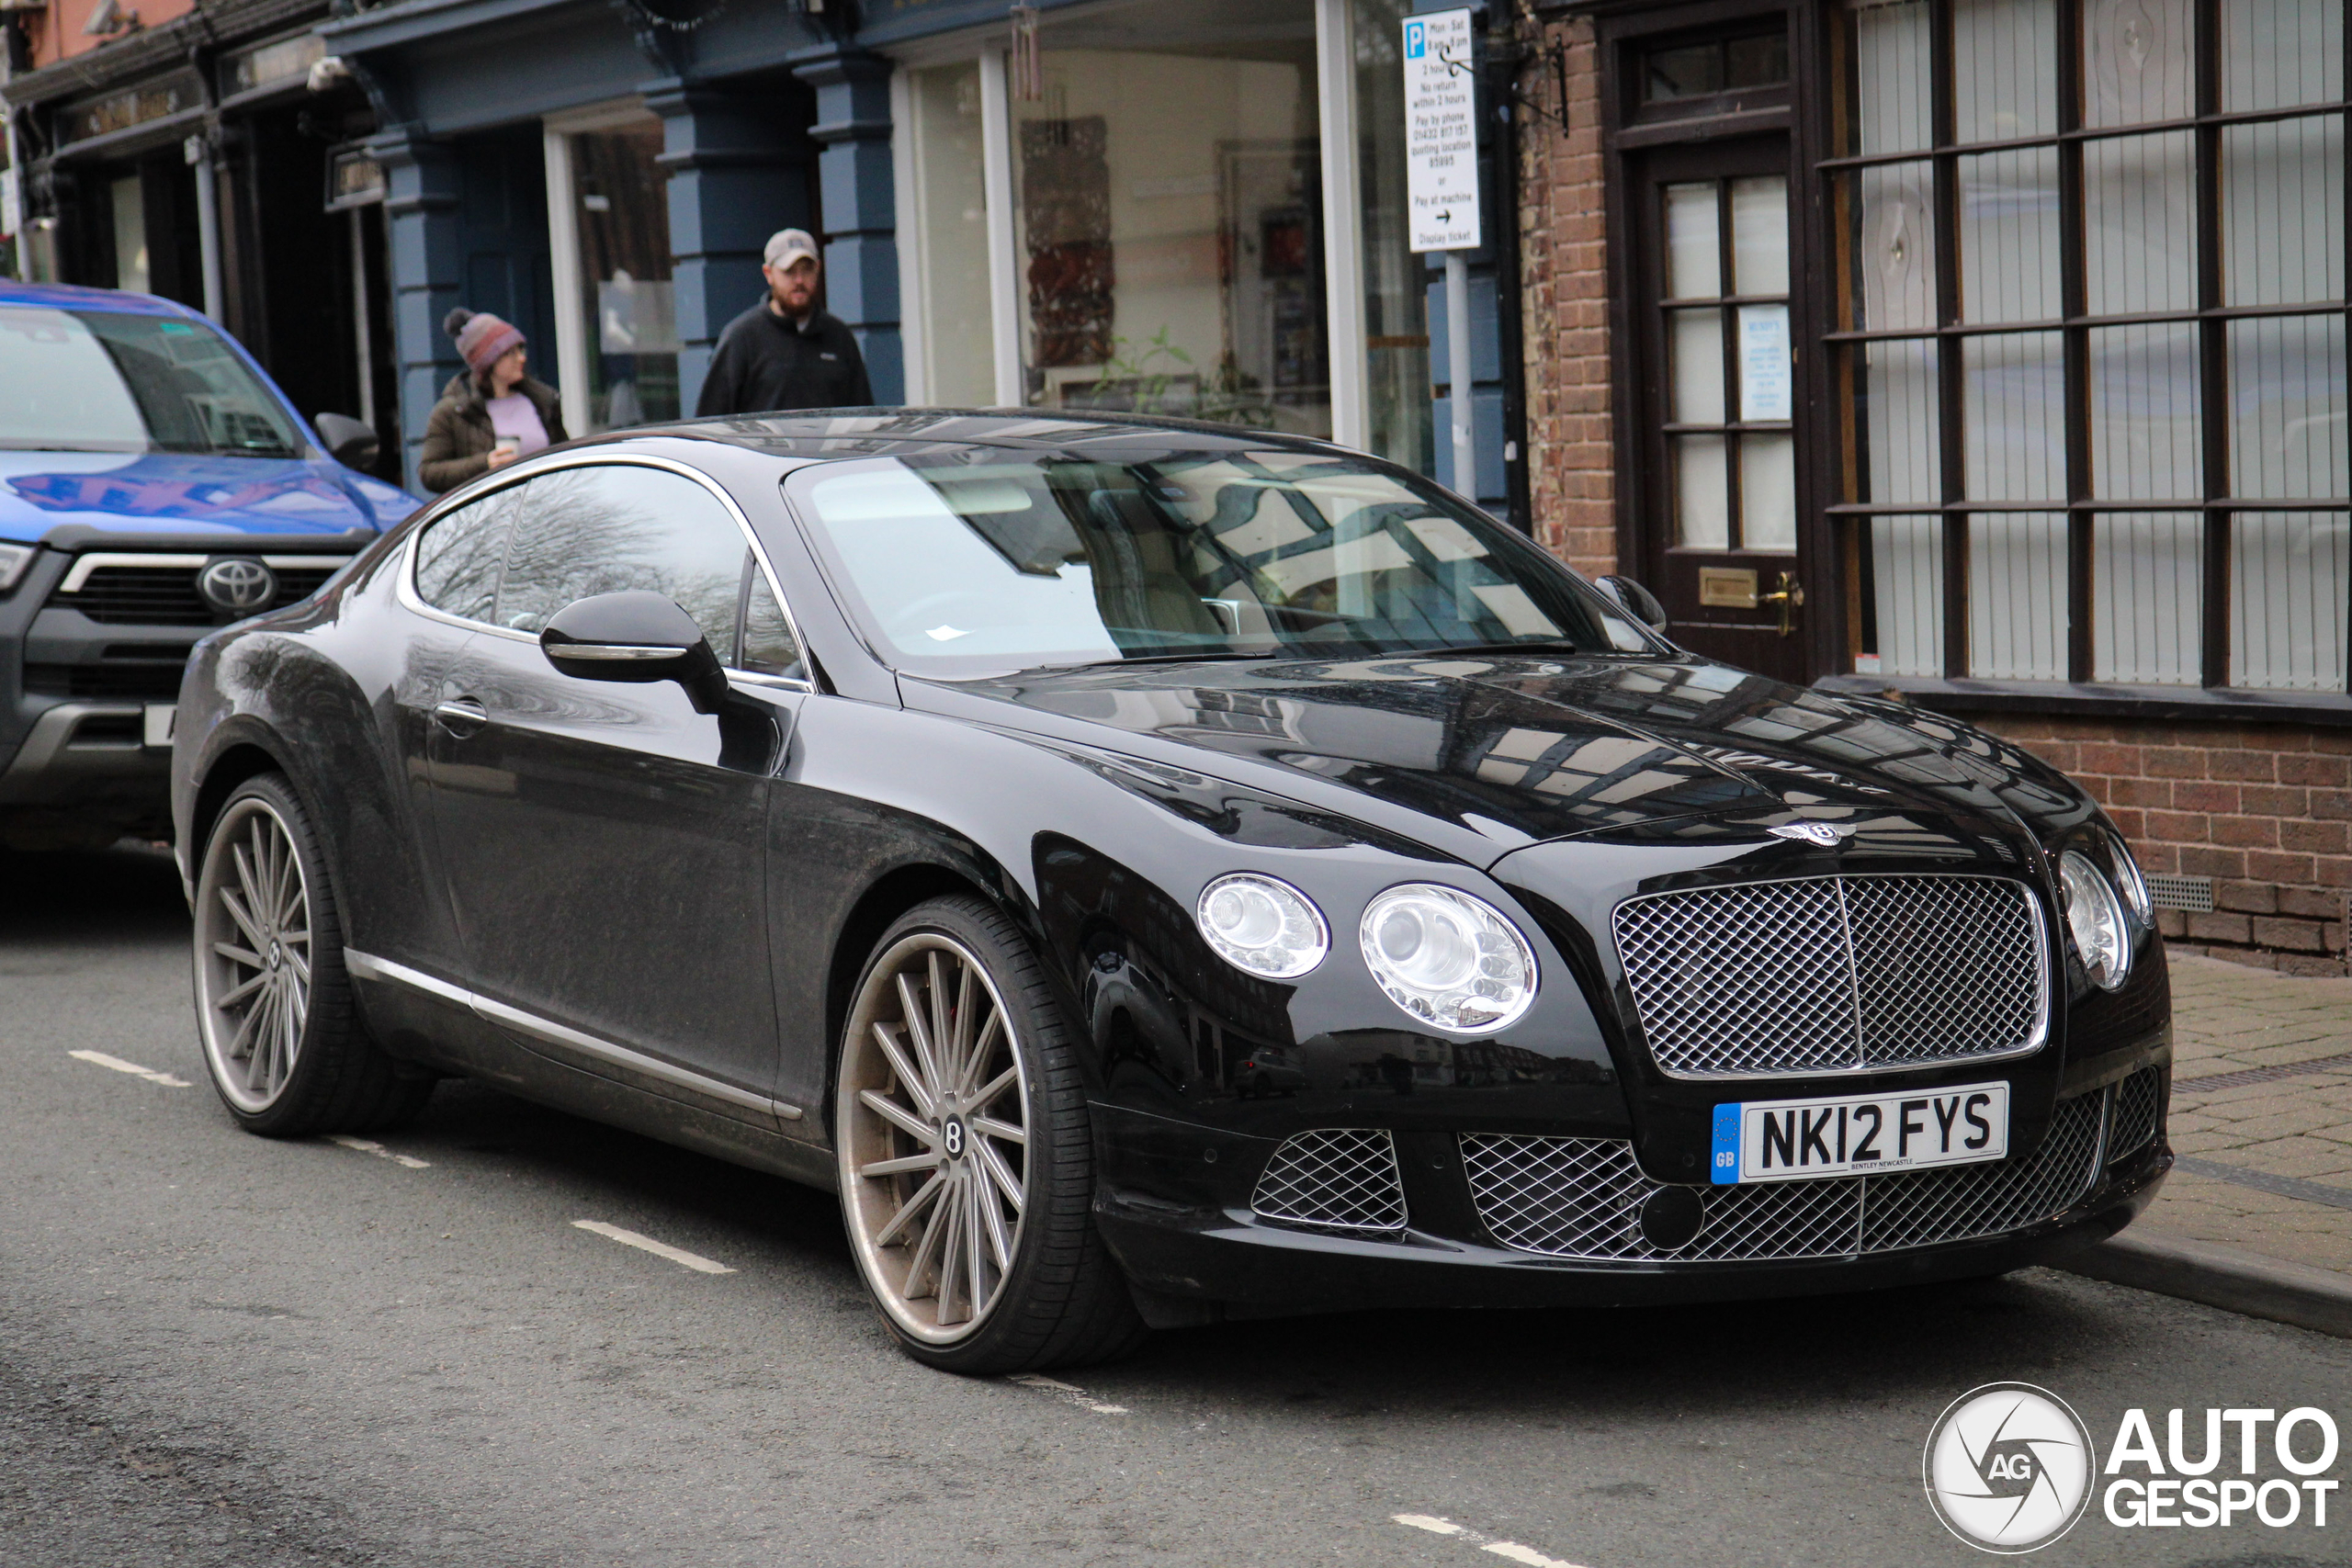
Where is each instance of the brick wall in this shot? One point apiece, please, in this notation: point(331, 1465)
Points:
point(1565, 303)
point(2262, 809)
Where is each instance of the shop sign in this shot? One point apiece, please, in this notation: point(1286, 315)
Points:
point(353, 179)
point(132, 107)
point(1441, 133)
point(272, 64)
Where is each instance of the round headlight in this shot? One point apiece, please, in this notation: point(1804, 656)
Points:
point(2132, 884)
point(1447, 959)
point(1262, 926)
point(2096, 916)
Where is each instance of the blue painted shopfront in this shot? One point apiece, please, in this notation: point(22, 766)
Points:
point(606, 174)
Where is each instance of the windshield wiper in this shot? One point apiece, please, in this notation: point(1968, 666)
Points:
point(1197, 655)
point(1535, 649)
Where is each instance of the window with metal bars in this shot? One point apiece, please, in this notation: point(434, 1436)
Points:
point(2091, 353)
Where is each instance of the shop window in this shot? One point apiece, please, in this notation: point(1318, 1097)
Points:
point(946, 169)
point(1167, 218)
point(1714, 75)
point(1400, 423)
point(2093, 339)
point(625, 307)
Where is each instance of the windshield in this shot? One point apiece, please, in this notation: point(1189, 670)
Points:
point(970, 562)
point(108, 381)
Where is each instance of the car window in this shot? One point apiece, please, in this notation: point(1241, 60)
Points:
point(122, 381)
point(768, 644)
point(607, 527)
point(965, 563)
point(458, 555)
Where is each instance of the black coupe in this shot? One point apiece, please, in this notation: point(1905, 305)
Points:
point(1154, 873)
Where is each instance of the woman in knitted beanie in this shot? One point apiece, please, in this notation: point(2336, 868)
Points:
point(492, 414)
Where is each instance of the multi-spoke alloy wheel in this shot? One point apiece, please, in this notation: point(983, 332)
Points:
point(965, 1156)
point(252, 955)
point(273, 1001)
point(935, 1133)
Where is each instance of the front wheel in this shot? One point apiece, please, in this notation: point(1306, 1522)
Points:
point(273, 1004)
point(965, 1161)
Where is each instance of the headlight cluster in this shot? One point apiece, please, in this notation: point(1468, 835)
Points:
point(2102, 910)
point(1450, 960)
point(1262, 926)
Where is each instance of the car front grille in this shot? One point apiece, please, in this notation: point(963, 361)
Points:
point(1333, 1179)
point(167, 595)
point(1583, 1197)
point(2138, 1100)
point(135, 672)
point(1834, 974)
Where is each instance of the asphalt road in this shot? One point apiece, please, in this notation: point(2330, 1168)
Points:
point(219, 1349)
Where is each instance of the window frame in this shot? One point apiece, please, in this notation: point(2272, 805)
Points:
point(409, 598)
point(1843, 440)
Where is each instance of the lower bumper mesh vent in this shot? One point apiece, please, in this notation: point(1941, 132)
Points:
point(1334, 1178)
point(2138, 1099)
point(1583, 1197)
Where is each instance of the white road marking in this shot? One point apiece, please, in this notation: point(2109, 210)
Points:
point(659, 1249)
point(99, 1058)
point(1510, 1548)
point(379, 1151)
point(1067, 1393)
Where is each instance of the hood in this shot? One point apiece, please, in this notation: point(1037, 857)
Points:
point(1512, 752)
point(163, 492)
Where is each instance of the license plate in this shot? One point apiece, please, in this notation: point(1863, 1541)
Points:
point(157, 730)
point(1782, 1140)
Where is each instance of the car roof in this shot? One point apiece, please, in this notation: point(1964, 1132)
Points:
point(837, 433)
point(73, 297)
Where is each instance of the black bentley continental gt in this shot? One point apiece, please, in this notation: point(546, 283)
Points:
point(1157, 874)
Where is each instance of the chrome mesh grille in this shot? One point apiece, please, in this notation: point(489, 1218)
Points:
point(1582, 1198)
point(1337, 1179)
point(2137, 1099)
point(1833, 972)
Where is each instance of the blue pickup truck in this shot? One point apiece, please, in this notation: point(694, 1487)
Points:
point(154, 485)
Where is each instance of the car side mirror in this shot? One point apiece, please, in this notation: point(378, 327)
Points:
point(347, 441)
point(634, 636)
point(1635, 600)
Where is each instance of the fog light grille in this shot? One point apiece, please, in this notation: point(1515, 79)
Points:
point(1334, 1178)
point(2137, 1101)
point(1582, 1198)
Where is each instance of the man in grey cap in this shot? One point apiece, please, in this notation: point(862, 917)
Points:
point(785, 353)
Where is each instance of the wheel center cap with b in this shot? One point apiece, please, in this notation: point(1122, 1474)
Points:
point(275, 953)
point(955, 1137)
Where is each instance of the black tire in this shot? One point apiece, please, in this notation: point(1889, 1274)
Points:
point(1061, 1301)
point(318, 1071)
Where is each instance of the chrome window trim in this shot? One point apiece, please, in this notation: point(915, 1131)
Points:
point(405, 580)
point(79, 574)
point(367, 965)
point(2043, 999)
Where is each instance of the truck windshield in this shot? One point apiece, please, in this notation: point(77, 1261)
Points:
point(968, 562)
point(111, 381)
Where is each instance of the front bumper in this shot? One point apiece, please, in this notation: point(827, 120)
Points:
point(1190, 1265)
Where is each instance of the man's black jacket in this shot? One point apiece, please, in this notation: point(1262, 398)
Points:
point(768, 362)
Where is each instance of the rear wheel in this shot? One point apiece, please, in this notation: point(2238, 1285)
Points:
point(965, 1160)
point(281, 1042)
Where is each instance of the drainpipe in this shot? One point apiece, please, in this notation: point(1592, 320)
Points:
point(197, 150)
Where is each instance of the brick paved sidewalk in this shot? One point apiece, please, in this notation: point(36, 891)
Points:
point(2261, 1113)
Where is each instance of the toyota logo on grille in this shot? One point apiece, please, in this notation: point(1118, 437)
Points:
point(238, 586)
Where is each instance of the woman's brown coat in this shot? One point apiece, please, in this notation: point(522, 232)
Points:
point(458, 438)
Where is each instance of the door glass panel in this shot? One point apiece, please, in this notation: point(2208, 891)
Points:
point(1702, 493)
point(621, 203)
point(1693, 243)
point(459, 557)
point(768, 644)
point(1759, 235)
point(1697, 350)
point(1765, 366)
point(580, 531)
point(1768, 493)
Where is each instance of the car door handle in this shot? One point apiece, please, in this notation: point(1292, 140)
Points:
point(462, 717)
